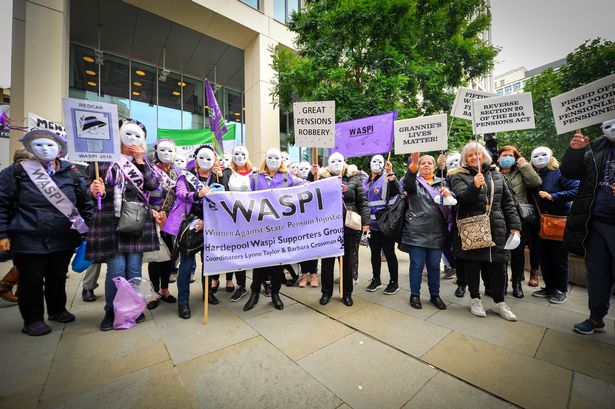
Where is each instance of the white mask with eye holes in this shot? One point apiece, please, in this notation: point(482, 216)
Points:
point(608, 129)
point(45, 149)
point(226, 161)
point(377, 163)
point(541, 157)
point(240, 155)
point(304, 170)
point(206, 159)
point(294, 168)
point(452, 161)
point(336, 163)
point(286, 158)
point(132, 134)
point(165, 152)
point(274, 159)
point(181, 161)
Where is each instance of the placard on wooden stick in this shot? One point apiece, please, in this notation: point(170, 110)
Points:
point(498, 114)
point(423, 134)
point(314, 124)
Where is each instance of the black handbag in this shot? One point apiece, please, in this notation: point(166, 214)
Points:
point(132, 217)
point(188, 239)
point(391, 219)
point(527, 213)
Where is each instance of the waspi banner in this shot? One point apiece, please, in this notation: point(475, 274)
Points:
point(244, 230)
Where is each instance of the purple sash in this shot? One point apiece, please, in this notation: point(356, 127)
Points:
point(433, 192)
point(134, 175)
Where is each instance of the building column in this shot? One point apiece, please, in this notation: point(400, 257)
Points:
point(262, 118)
point(40, 61)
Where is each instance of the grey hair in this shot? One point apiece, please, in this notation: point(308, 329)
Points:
point(479, 146)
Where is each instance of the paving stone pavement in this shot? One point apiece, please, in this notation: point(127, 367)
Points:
point(378, 354)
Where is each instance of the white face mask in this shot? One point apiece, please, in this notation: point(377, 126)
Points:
point(274, 159)
point(608, 129)
point(286, 158)
point(240, 155)
point(181, 161)
point(541, 157)
point(165, 152)
point(45, 149)
point(304, 170)
point(294, 168)
point(377, 164)
point(336, 163)
point(452, 161)
point(132, 134)
point(226, 161)
point(205, 159)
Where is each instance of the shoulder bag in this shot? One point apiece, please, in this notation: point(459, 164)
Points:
point(475, 231)
point(551, 226)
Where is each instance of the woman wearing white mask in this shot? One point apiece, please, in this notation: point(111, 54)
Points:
point(190, 189)
point(555, 196)
point(181, 161)
point(272, 174)
point(41, 230)
point(354, 200)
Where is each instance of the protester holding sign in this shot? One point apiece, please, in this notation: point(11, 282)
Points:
point(114, 236)
point(485, 202)
point(381, 186)
point(44, 211)
point(555, 197)
point(426, 227)
point(354, 201)
point(522, 177)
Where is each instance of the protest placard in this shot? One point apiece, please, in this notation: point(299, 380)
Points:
point(584, 106)
point(498, 114)
point(245, 230)
point(423, 134)
point(365, 136)
point(92, 130)
point(38, 122)
point(314, 124)
point(462, 107)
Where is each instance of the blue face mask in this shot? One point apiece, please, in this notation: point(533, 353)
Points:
point(507, 161)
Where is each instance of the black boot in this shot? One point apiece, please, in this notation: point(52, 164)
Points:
point(415, 302)
point(183, 311)
point(88, 295)
point(324, 300)
point(460, 291)
point(252, 301)
point(517, 289)
point(211, 299)
point(276, 301)
point(437, 302)
point(347, 300)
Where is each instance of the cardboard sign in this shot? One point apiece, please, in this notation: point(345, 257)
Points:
point(38, 122)
point(92, 130)
point(584, 106)
point(314, 124)
point(424, 134)
point(507, 113)
point(462, 107)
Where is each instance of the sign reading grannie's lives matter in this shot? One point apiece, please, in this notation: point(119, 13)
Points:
point(314, 124)
point(92, 130)
point(508, 113)
point(584, 106)
point(462, 107)
point(244, 230)
point(423, 134)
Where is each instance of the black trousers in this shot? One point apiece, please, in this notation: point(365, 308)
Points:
point(496, 273)
point(351, 248)
point(378, 243)
point(310, 266)
point(260, 275)
point(554, 265)
point(240, 276)
point(42, 276)
point(159, 273)
point(600, 262)
point(517, 256)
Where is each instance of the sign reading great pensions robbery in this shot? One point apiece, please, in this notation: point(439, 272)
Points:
point(314, 124)
point(423, 134)
point(584, 106)
point(92, 130)
point(245, 230)
point(507, 113)
point(462, 107)
point(365, 136)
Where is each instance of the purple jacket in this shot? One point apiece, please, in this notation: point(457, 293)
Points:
point(279, 180)
point(184, 198)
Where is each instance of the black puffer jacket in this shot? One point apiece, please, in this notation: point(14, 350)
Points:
point(586, 166)
point(354, 197)
point(472, 202)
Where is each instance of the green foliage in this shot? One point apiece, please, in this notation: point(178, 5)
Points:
point(377, 56)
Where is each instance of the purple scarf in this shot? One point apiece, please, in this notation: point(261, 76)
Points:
point(433, 192)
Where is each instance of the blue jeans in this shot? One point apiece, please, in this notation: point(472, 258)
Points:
point(127, 265)
point(187, 264)
point(419, 256)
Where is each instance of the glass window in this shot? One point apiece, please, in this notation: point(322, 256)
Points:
point(233, 105)
point(500, 91)
point(517, 86)
point(170, 102)
point(507, 90)
point(115, 83)
point(279, 10)
point(252, 3)
point(292, 6)
point(143, 98)
point(193, 104)
point(84, 74)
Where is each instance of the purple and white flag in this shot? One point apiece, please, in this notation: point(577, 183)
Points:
point(366, 136)
point(216, 122)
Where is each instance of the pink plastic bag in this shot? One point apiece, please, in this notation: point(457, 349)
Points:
point(127, 304)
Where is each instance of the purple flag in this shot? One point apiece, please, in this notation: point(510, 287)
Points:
point(244, 230)
point(216, 121)
point(365, 136)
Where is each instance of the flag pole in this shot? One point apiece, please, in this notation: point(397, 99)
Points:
point(342, 276)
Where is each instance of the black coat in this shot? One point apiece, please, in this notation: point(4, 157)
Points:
point(586, 166)
point(472, 202)
point(354, 197)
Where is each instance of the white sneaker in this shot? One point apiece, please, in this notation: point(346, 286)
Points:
point(504, 311)
point(476, 308)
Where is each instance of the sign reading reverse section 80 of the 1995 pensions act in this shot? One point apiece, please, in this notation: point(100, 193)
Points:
point(423, 134)
point(314, 124)
point(462, 107)
point(244, 230)
point(584, 106)
point(92, 130)
point(508, 113)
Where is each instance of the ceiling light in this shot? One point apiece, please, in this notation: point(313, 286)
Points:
point(176, 93)
point(139, 72)
point(137, 84)
point(137, 93)
point(237, 120)
point(87, 58)
point(237, 114)
point(90, 72)
point(91, 83)
point(181, 84)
